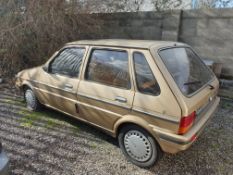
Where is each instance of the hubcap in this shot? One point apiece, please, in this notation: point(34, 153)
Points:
point(30, 99)
point(137, 146)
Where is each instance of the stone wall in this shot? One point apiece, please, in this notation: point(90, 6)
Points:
point(209, 31)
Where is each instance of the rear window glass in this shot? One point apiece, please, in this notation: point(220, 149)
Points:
point(188, 71)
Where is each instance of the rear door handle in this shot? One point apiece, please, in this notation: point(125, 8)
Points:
point(69, 86)
point(121, 99)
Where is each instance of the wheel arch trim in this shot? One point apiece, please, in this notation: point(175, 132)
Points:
point(134, 120)
point(26, 83)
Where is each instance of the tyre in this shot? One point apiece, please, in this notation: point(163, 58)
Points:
point(32, 102)
point(139, 146)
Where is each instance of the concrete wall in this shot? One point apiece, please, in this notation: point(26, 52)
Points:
point(140, 25)
point(209, 32)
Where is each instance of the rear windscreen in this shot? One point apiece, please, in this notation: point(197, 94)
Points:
point(188, 71)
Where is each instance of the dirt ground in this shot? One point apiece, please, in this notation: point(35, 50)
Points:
point(48, 142)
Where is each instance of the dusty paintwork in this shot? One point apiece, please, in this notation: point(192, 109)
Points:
point(95, 103)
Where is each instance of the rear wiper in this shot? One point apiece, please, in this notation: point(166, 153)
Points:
point(192, 82)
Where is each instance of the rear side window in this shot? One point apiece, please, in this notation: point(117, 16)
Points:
point(68, 62)
point(146, 82)
point(109, 67)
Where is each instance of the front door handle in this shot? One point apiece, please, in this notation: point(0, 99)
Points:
point(69, 86)
point(121, 99)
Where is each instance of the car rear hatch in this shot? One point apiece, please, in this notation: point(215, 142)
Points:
point(197, 85)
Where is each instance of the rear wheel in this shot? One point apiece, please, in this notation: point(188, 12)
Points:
point(138, 146)
point(32, 102)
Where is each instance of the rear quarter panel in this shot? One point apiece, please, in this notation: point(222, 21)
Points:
point(162, 110)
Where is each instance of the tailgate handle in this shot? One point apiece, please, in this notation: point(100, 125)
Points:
point(121, 99)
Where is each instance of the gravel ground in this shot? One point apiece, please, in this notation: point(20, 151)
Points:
point(48, 142)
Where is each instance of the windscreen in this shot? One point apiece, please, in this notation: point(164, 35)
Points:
point(188, 71)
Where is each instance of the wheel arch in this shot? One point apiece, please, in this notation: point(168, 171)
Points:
point(134, 120)
point(25, 85)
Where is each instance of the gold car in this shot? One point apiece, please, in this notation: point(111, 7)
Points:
point(154, 96)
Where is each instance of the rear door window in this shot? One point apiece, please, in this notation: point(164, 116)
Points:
point(186, 68)
point(109, 67)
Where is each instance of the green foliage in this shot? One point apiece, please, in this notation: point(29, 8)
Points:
point(30, 119)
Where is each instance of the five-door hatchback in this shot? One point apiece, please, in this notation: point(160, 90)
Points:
point(154, 96)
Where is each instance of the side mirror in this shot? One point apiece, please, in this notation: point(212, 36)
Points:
point(45, 68)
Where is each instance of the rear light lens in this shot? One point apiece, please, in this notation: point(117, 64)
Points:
point(186, 122)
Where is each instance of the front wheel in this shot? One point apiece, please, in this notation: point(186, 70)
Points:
point(138, 146)
point(32, 102)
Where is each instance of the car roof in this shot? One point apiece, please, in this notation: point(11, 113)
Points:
point(145, 44)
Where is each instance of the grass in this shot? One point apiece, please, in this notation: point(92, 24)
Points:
point(76, 130)
point(29, 118)
point(50, 123)
point(15, 102)
point(93, 145)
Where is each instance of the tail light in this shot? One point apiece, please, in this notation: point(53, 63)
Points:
point(186, 122)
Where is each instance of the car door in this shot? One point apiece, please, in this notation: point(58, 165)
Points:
point(105, 91)
point(58, 88)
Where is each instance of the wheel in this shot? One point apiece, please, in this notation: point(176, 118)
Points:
point(32, 102)
point(138, 146)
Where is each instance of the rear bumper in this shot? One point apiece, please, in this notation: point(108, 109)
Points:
point(4, 164)
point(173, 143)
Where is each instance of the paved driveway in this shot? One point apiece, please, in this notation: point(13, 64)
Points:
point(48, 142)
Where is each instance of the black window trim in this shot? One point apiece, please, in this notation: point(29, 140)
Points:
point(185, 46)
point(136, 84)
point(108, 49)
point(59, 52)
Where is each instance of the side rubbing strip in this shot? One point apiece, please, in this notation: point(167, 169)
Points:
point(158, 116)
point(104, 101)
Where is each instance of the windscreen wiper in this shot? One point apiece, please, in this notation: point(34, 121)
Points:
point(192, 82)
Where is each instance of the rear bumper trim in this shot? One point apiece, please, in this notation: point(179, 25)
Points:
point(182, 142)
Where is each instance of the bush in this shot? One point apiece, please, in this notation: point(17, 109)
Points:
point(32, 31)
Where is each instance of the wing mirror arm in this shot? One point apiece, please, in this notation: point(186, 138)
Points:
point(45, 68)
